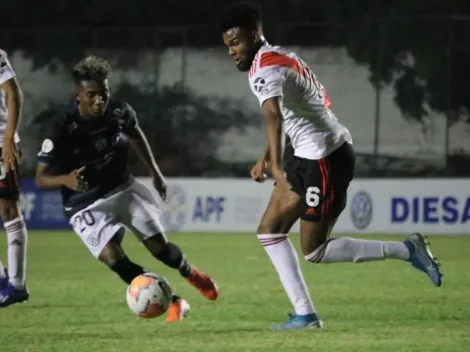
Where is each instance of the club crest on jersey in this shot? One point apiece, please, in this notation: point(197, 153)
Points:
point(47, 146)
point(100, 144)
point(259, 84)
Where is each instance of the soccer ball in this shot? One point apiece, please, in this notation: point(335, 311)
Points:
point(149, 295)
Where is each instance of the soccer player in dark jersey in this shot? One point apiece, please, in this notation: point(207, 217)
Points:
point(85, 155)
point(314, 187)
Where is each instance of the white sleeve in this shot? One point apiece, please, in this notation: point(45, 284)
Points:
point(6, 71)
point(268, 83)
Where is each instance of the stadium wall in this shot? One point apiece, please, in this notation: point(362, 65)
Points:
point(233, 205)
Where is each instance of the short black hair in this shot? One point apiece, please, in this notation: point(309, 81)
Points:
point(242, 15)
point(91, 68)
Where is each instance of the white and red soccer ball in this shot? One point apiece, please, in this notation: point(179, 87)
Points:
point(149, 295)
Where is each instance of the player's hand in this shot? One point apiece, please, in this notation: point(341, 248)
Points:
point(160, 186)
point(76, 180)
point(11, 157)
point(280, 177)
point(258, 171)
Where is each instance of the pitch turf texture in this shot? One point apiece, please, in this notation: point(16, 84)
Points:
point(77, 305)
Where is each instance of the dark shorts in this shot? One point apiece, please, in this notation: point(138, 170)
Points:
point(323, 183)
point(9, 189)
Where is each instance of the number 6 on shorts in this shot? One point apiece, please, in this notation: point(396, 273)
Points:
point(312, 197)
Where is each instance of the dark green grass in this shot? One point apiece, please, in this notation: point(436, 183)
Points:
point(78, 305)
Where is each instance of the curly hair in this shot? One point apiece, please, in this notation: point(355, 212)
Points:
point(91, 68)
point(242, 15)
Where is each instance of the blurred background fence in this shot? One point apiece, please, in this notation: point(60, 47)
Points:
point(400, 85)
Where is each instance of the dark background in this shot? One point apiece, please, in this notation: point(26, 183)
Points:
point(419, 49)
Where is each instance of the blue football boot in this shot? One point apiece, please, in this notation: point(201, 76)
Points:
point(300, 322)
point(422, 259)
point(11, 295)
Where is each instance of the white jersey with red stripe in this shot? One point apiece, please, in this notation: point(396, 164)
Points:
point(314, 130)
point(6, 73)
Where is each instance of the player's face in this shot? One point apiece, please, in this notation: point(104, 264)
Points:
point(241, 45)
point(93, 98)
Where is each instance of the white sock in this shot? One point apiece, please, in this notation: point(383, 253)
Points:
point(17, 242)
point(2, 271)
point(346, 249)
point(286, 262)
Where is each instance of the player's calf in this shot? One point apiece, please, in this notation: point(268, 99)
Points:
point(17, 238)
point(172, 256)
point(126, 269)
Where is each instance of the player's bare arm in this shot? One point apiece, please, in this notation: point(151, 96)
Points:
point(142, 148)
point(10, 155)
point(273, 115)
point(47, 179)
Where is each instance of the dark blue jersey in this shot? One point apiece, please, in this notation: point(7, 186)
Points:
point(100, 144)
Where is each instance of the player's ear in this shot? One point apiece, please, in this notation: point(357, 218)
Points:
point(254, 35)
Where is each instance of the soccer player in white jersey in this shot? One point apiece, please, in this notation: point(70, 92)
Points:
point(12, 282)
point(314, 188)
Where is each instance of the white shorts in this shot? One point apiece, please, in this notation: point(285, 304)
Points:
point(133, 208)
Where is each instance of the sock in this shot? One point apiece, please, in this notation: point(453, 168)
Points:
point(17, 243)
point(172, 256)
point(286, 262)
point(3, 274)
point(346, 249)
point(127, 270)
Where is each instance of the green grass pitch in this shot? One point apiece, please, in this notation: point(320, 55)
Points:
point(77, 305)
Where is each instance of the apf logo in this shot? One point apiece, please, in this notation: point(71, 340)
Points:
point(361, 210)
point(174, 214)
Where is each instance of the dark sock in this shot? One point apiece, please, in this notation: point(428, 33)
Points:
point(172, 256)
point(127, 270)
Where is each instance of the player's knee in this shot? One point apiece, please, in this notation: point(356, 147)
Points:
point(9, 210)
point(312, 242)
point(108, 260)
point(111, 254)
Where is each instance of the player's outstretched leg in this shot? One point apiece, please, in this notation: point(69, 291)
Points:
point(15, 290)
point(414, 249)
point(114, 257)
point(280, 215)
point(172, 256)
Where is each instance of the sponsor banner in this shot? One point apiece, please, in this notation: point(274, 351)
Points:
point(405, 206)
point(398, 206)
point(233, 205)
